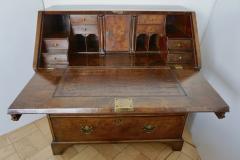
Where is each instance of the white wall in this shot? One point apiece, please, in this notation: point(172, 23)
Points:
point(17, 36)
point(220, 139)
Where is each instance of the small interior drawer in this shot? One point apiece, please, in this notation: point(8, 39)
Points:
point(99, 128)
point(83, 19)
point(178, 57)
point(150, 29)
point(151, 19)
point(180, 44)
point(85, 29)
point(55, 58)
point(54, 45)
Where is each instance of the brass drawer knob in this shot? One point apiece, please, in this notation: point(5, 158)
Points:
point(55, 44)
point(86, 129)
point(148, 128)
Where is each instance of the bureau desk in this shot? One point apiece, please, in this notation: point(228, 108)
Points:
point(104, 76)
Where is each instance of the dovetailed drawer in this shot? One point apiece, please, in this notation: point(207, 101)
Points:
point(73, 129)
point(177, 57)
point(151, 19)
point(180, 44)
point(55, 58)
point(85, 29)
point(56, 45)
point(83, 19)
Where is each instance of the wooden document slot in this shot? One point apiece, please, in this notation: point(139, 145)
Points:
point(117, 76)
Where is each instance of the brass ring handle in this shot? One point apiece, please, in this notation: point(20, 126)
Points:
point(86, 129)
point(148, 128)
point(55, 44)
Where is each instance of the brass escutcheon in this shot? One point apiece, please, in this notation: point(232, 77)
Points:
point(86, 129)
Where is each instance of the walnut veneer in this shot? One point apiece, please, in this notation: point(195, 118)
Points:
point(88, 63)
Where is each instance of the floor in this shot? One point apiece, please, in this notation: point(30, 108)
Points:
point(32, 142)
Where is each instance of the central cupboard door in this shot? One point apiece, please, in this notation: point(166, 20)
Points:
point(117, 36)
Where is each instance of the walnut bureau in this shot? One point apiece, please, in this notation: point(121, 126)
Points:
point(105, 76)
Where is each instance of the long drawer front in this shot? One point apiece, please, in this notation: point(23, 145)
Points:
point(75, 128)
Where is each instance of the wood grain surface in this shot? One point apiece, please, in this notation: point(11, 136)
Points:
point(38, 95)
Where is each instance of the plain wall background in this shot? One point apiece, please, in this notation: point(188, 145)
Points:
point(220, 139)
point(17, 36)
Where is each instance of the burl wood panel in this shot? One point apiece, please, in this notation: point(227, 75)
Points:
point(151, 19)
point(73, 129)
point(117, 32)
point(151, 29)
point(109, 83)
point(37, 96)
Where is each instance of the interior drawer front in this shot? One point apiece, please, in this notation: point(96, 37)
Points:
point(180, 44)
point(122, 128)
point(185, 57)
point(83, 19)
point(85, 29)
point(55, 44)
point(151, 19)
point(150, 29)
point(55, 58)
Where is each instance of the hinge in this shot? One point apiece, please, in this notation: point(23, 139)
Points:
point(177, 66)
point(118, 12)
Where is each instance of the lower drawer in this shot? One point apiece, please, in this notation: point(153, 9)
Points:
point(150, 29)
point(74, 128)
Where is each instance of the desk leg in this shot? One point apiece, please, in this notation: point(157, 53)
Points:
point(59, 148)
point(177, 145)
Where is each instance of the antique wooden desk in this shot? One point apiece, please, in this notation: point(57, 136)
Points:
point(117, 76)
